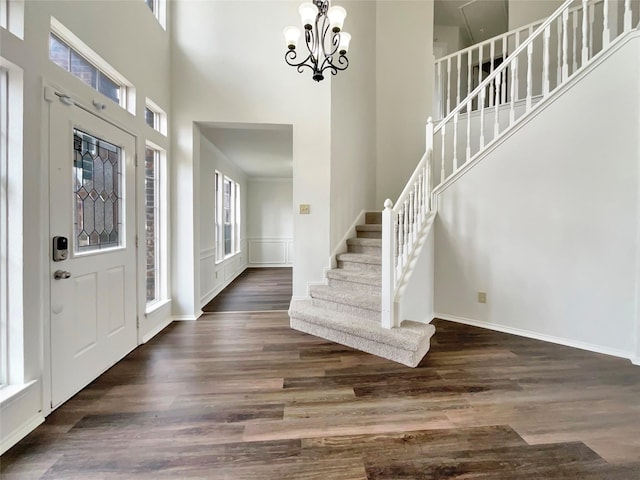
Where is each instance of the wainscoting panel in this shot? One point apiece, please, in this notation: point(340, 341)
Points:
point(215, 277)
point(270, 252)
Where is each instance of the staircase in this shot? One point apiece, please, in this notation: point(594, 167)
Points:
point(387, 273)
point(347, 308)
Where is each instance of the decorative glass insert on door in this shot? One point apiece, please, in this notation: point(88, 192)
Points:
point(97, 172)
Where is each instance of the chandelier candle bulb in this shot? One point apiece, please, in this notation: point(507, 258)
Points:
point(336, 17)
point(345, 39)
point(308, 12)
point(292, 35)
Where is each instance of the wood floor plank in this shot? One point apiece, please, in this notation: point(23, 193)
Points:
point(240, 396)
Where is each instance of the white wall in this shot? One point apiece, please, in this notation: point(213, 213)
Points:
point(404, 86)
point(247, 83)
point(353, 124)
point(523, 12)
point(270, 222)
point(547, 224)
point(141, 53)
point(215, 276)
point(448, 38)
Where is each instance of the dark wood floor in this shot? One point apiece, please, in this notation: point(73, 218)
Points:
point(242, 396)
point(255, 289)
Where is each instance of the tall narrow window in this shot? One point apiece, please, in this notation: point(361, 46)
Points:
point(152, 223)
point(227, 212)
point(4, 223)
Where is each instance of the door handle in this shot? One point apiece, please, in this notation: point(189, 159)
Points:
point(61, 274)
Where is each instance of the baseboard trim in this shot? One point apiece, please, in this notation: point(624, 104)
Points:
point(187, 318)
point(216, 290)
point(157, 329)
point(269, 265)
point(18, 434)
point(540, 336)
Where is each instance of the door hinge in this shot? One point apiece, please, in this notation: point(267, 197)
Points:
point(135, 159)
point(136, 241)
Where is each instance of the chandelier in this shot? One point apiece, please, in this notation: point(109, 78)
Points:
point(324, 38)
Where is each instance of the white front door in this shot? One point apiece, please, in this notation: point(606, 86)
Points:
point(93, 288)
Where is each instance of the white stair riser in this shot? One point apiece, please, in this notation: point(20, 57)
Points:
point(341, 307)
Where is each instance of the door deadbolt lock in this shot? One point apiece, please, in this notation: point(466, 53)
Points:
point(61, 274)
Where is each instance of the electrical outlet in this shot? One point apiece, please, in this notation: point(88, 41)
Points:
point(482, 297)
point(305, 209)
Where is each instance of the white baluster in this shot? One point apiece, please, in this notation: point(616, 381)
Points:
point(575, 41)
point(442, 134)
point(469, 129)
point(430, 143)
point(469, 84)
point(503, 98)
point(514, 81)
point(492, 57)
point(400, 237)
point(592, 19)
point(405, 250)
point(440, 88)
point(606, 32)
point(529, 75)
point(448, 85)
point(479, 65)
point(565, 46)
point(496, 111)
point(419, 197)
point(559, 51)
point(516, 92)
point(545, 65)
point(482, 98)
point(585, 32)
point(459, 80)
point(429, 169)
point(416, 210)
point(627, 15)
point(455, 141)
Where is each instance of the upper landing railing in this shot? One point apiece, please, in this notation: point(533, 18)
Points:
point(532, 65)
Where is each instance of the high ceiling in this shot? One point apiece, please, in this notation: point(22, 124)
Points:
point(260, 150)
point(479, 19)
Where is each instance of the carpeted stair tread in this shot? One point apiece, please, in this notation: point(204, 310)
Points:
point(360, 258)
point(355, 276)
point(407, 337)
point(347, 296)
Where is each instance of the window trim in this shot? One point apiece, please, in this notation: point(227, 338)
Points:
point(127, 100)
point(162, 235)
point(13, 322)
point(219, 223)
point(160, 120)
point(159, 10)
point(4, 224)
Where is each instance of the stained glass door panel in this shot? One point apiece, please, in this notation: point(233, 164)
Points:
point(97, 178)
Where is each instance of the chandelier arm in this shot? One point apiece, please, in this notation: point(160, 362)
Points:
point(290, 57)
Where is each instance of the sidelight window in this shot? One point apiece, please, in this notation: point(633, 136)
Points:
point(227, 216)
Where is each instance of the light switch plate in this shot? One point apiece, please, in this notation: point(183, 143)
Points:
point(305, 209)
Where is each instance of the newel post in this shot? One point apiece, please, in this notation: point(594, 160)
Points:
point(388, 264)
